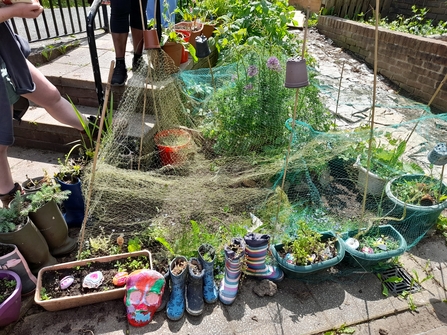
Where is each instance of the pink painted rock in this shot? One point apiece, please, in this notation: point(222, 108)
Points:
point(93, 280)
point(144, 290)
point(66, 282)
point(120, 279)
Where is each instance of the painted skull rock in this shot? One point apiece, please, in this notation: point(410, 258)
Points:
point(144, 290)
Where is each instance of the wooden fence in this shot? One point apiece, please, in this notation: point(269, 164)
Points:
point(350, 9)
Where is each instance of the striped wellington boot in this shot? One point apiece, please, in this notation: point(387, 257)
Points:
point(234, 255)
point(256, 247)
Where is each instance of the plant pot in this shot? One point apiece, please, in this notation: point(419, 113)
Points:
point(376, 184)
point(173, 145)
point(32, 246)
point(357, 258)
point(150, 38)
point(297, 271)
point(208, 30)
point(10, 308)
point(28, 187)
point(296, 73)
point(74, 207)
point(56, 304)
point(11, 259)
point(418, 219)
point(174, 50)
point(185, 54)
point(50, 222)
point(195, 30)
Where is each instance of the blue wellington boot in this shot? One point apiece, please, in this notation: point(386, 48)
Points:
point(178, 270)
point(74, 206)
point(194, 288)
point(207, 254)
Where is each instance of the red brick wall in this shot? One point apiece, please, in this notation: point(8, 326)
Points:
point(416, 64)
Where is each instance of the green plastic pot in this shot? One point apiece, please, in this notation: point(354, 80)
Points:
point(357, 258)
point(418, 220)
point(297, 271)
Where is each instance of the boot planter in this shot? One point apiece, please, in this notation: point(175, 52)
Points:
point(234, 256)
point(74, 206)
point(11, 259)
point(50, 222)
point(292, 270)
point(89, 295)
point(256, 247)
point(31, 244)
point(194, 288)
point(178, 270)
point(10, 307)
point(207, 255)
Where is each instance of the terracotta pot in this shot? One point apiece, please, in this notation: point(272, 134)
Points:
point(10, 308)
point(208, 30)
point(151, 39)
point(174, 50)
point(57, 304)
point(195, 29)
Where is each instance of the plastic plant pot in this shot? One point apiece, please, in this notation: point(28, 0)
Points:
point(10, 308)
point(173, 145)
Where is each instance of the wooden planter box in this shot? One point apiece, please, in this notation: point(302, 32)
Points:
point(57, 304)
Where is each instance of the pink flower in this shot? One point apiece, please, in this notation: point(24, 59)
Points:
point(248, 87)
point(273, 64)
point(252, 71)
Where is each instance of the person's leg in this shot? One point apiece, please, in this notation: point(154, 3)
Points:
point(119, 26)
point(6, 182)
point(47, 96)
point(138, 23)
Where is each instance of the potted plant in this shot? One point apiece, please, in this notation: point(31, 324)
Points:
point(173, 43)
point(374, 246)
point(386, 162)
point(17, 228)
point(10, 298)
point(307, 251)
point(173, 145)
point(190, 22)
point(43, 210)
point(63, 285)
point(31, 185)
point(420, 199)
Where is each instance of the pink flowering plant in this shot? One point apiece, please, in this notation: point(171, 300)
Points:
point(250, 111)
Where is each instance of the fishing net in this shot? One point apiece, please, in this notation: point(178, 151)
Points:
point(194, 152)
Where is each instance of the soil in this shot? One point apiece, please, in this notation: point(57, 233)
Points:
point(179, 266)
point(6, 289)
point(51, 278)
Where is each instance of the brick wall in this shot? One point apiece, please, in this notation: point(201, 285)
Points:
point(416, 64)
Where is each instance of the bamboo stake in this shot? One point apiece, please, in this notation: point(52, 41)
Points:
point(339, 89)
point(373, 108)
point(95, 157)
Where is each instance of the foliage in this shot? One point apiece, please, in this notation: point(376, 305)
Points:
point(306, 246)
point(386, 156)
point(249, 115)
point(259, 23)
point(44, 295)
point(374, 244)
point(134, 245)
point(13, 216)
point(417, 24)
point(8, 285)
point(343, 329)
point(419, 191)
point(47, 193)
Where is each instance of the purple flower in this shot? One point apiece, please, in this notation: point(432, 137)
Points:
point(248, 87)
point(273, 64)
point(252, 71)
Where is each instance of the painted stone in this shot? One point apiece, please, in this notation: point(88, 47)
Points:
point(352, 242)
point(120, 279)
point(144, 291)
point(93, 280)
point(66, 282)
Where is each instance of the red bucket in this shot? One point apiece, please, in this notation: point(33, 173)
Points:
point(172, 145)
point(186, 35)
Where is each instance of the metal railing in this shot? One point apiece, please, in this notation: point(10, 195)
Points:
point(57, 21)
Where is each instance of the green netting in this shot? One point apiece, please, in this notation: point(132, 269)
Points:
point(244, 153)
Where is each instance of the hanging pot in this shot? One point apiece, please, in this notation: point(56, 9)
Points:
point(151, 39)
point(202, 47)
point(296, 73)
point(438, 156)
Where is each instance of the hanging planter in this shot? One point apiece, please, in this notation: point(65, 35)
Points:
point(10, 306)
point(329, 256)
point(378, 245)
point(173, 145)
point(71, 272)
point(420, 199)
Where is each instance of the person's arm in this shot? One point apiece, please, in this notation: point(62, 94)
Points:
point(22, 10)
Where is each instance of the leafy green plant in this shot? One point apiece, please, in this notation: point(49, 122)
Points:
point(343, 329)
point(423, 191)
point(8, 286)
point(47, 193)
point(15, 215)
point(44, 295)
point(134, 244)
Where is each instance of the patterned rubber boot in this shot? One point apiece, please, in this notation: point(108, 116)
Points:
point(178, 270)
point(11, 259)
point(256, 247)
point(166, 292)
point(234, 255)
point(194, 288)
point(207, 254)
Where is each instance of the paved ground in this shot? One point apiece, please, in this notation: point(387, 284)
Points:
point(354, 300)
